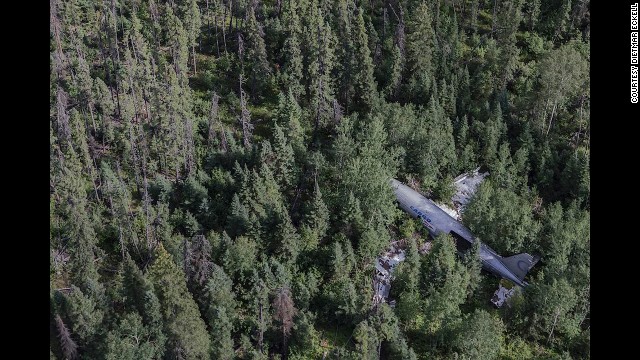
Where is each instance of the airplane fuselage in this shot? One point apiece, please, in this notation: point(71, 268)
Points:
point(438, 221)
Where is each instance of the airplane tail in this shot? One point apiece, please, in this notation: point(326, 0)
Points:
point(520, 264)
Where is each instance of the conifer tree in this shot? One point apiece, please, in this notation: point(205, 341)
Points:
point(420, 45)
point(365, 91)
point(256, 53)
point(186, 332)
point(320, 63)
point(292, 49)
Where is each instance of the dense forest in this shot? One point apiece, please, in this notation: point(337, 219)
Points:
point(219, 177)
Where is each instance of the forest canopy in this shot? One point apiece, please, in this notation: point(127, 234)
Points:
point(219, 177)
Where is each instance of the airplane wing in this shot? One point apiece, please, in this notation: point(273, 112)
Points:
point(466, 185)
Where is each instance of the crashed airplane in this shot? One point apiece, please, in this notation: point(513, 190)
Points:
point(513, 268)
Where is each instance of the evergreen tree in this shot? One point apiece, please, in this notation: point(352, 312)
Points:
point(234, 206)
point(420, 44)
point(481, 337)
point(316, 220)
point(502, 219)
point(256, 54)
point(289, 115)
point(293, 56)
point(284, 162)
point(562, 77)
point(186, 332)
point(320, 62)
point(397, 68)
point(344, 53)
point(365, 91)
point(220, 312)
point(130, 340)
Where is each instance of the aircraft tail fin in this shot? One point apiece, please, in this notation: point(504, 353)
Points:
point(520, 264)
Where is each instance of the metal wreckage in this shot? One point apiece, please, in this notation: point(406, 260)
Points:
point(442, 219)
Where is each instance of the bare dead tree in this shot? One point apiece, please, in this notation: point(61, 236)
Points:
point(337, 113)
point(385, 22)
point(241, 50)
point(284, 313)
point(230, 15)
point(190, 162)
point(261, 329)
point(69, 347)
point(199, 264)
point(400, 31)
point(146, 203)
point(224, 32)
point(214, 123)
point(114, 47)
point(245, 118)
point(186, 255)
point(215, 20)
point(55, 27)
point(64, 133)
point(126, 206)
point(213, 117)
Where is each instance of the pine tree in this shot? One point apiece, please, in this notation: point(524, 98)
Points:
point(186, 332)
point(198, 263)
point(287, 240)
point(420, 44)
point(77, 224)
point(289, 115)
point(141, 297)
point(256, 54)
point(192, 23)
point(397, 69)
point(215, 125)
point(493, 134)
point(284, 162)
point(293, 56)
point(367, 342)
point(240, 257)
point(177, 38)
point(501, 218)
point(221, 312)
point(320, 63)
point(259, 312)
point(130, 340)
point(481, 336)
point(344, 53)
point(316, 220)
point(85, 318)
point(508, 20)
point(365, 91)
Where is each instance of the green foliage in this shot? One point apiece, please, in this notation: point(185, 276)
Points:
point(84, 314)
point(185, 329)
point(420, 50)
point(481, 337)
point(130, 340)
point(220, 312)
point(175, 227)
point(502, 219)
point(363, 82)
